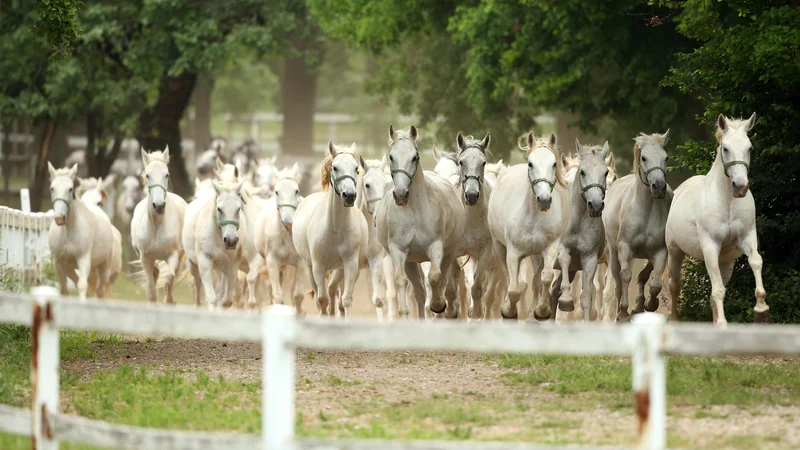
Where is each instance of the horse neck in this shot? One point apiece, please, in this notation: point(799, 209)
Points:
point(418, 189)
point(641, 192)
point(579, 208)
point(335, 210)
point(77, 209)
point(718, 181)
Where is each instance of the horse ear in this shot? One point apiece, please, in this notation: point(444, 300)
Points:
point(391, 132)
point(459, 142)
point(383, 161)
point(665, 137)
point(219, 164)
point(610, 160)
point(553, 140)
point(606, 150)
point(108, 182)
point(564, 161)
point(485, 142)
point(144, 157)
point(751, 121)
point(414, 133)
point(331, 148)
point(362, 163)
point(273, 159)
point(236, 172)
point(73, 170)
point(103, 197)
point(531, 139)
point(436, 155)
point(239, 187)
point(722, 123)
point(51, 169)
point(296, 169)
point(217, 187)
point(577, 145)
point(166, 153)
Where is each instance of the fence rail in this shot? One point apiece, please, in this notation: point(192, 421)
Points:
point(648, 340)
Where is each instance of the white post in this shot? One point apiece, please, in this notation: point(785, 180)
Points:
point(650, 380)
point(277, 412)
point(25, 200)
point(44, 368)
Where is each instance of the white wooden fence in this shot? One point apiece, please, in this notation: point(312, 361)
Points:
point(23, 241)
point(647, 339)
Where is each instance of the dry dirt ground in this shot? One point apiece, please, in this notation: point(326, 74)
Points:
point(333, 385)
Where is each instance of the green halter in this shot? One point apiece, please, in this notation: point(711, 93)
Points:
point(543, 180)
point(222, 223)
point(733, 163)
point(335, 180)
point(593, 185)
point(477, 178)
point(647, 172)
point(151, 186)
point(56, 200)
point(286, 205)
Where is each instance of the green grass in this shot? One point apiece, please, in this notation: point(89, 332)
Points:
point(690, 381)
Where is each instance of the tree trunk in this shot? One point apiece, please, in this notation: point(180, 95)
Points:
point(298, 101)
point(38, 182)
point(160, 126)
point(202, 113)
point(108, 160)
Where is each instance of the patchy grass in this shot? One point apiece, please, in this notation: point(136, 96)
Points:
point(690, 381)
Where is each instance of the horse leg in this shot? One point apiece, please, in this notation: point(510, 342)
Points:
point(62, 274)
point(451, 283)
point(465, 280)
point(334, 283)
point(420, 295)
point(609, 296)
point(597, 296)
point(711, 253)
point(674, 263)
point(391, 291)
point(350, 267)
point(378, 285)
point(274, 274)
point(437, 279)
point(84, 267)
point(426, 281)
point(173, 263)
point(253, 268)
point(233, 277)
point(659, 263)
point(206, 271)
point(101, 278)
point(401, 281)
point(565, 261)
point(480, 269)
point(554, 292)
point(749, 247)
point(624, 260)
point(319, 286)
point(513, 259)
point(589, 269)
point(641, 281)
point(197, 288)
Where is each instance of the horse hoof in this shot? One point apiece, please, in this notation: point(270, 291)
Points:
point(637, 309)
point(566, 305)
point(651, 306)
point(761, 317)
point(541, 318)
point(623, 317)
point(444, 307)
point(516, 315)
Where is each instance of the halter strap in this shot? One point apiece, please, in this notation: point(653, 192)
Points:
point(222, 223)
point(151, 186)
point(477, 178)
point(410, 176)
point(543, 180)
point(335, 180)
point(647, 172)
point(593, 185)
point(733, 163)
point(286, 205)
point(56, 200)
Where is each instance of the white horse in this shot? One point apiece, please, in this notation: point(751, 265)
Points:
point(422, 221)
point(532, 223)
point(132, 194)
point(328, 232)
point(157, 225)
point(207, 161)
point(713, 218)
point(213, 233)
point(635, 218)
point(94, 191)
point(263, 176)
point(273, 234)
point(252, 260)
point(583, 242)
point(81, 238)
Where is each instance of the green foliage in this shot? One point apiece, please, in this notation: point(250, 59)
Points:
point(58, 21)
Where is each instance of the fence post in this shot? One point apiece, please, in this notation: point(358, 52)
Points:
point(277, 412)
point(650, 380)
point(45, 362)
point(25, 200)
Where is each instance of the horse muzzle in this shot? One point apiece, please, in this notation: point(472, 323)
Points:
point(740, 190)
point(658, 190)
point(61, 220)
point(287, 225)
point(544, 203)
point(471, 198)
point(595, 208)
point(400, 200)
point(159, 208)
point(349, 199)
point(230, 242)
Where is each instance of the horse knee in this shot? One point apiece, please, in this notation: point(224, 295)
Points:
point(717, 293)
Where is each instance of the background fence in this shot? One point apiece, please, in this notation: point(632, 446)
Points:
point(648, 340)
point(23, 242)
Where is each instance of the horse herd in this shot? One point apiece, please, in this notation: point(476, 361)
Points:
point(462, 235)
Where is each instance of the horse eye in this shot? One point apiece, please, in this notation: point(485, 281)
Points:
point(219, 210)
point(335, 169)
point(644, 159)
point(530, 164)
point(391, 158)
point(555, 164)
point(367, 185)
point(725, 149)
point(583, 174)
point(666, 158)
point(99, 203)
point(606, 175)
point(297, 192)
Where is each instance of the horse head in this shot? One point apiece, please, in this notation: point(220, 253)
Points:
point(650, 162)
point(63, 183)
point(471, 165)
point(403, 161)
point(592, 175)
point(156, 178)
point(734, 149)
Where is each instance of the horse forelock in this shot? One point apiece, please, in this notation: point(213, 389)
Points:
point(733, 124)
point(61, 172)
point(288, 174)
point(157, 155)
point(86, 185)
